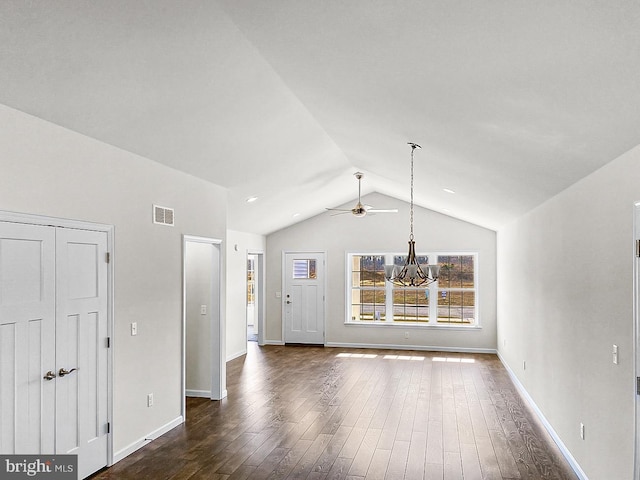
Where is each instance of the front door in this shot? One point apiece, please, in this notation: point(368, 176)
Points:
point(53, 343)
point(304, 298)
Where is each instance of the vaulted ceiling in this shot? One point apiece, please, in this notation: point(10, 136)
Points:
point(512, 101)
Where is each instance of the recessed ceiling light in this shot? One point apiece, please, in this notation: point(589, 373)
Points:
point(251, 199)
point(295, 215)
point(448, 190)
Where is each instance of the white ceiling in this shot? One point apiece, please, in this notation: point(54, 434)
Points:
point(513, 101)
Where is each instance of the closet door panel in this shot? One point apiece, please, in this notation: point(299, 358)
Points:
point(27, 338)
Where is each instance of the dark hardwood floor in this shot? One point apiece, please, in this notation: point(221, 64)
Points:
point(328, 413)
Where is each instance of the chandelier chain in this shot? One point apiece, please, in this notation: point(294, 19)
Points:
point(413, 148)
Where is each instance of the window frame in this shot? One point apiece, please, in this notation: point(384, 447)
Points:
point(434, 292)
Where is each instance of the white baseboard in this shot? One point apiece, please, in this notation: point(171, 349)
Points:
point(198, 393)
point(273, 342)
point(563, 448)
point(236, 355)
point(132, 447)
point(428, 348)
point(223, 394)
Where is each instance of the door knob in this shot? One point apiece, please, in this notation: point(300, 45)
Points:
point(288, 302)
point(62, 372)
point(49, 375)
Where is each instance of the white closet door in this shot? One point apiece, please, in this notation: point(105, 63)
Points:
point(81, 349)
point(27, 338)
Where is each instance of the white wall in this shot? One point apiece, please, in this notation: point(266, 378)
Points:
point(565, 298)
point(340, 234)
point(199, 258)
point(48, 170)
point(237, 288)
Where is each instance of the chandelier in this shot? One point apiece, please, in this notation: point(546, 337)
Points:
point(411, 274)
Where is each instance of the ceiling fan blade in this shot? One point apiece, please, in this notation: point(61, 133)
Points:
point(382, 210)
point(341, 213)
point(338, 209)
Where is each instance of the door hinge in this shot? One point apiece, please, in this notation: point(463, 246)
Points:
point(108, 257)
point(637, 248)
point(108, 342)
point(108, 427)
point(637, 385)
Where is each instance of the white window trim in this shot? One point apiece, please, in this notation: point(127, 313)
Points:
point(434, 290)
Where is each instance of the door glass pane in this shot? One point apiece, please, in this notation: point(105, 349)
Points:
point(304, 269)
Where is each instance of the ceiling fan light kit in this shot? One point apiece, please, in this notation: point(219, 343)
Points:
point(411, 274)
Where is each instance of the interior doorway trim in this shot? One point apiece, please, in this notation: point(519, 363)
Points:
point(218, 360)
point(260, 288)
point(32, 219)
point(636, 333)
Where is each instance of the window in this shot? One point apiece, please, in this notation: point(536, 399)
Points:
point(449, 301)
point(251, 282)
point(368, 290)
point(410, 304)
point(456, 289)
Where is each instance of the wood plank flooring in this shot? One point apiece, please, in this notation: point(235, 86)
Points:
point(325, 413)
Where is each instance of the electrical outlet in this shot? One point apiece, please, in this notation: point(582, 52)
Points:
point(150, 400)
point(203, 309)
point(582, 431)
point(134, 328)
point(406, 334)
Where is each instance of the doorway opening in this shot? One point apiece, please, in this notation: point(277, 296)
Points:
point(203, 346)
point(255, 297)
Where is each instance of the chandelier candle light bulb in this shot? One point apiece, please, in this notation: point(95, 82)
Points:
point(411, 274)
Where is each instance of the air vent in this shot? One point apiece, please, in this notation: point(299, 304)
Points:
point(163, 215)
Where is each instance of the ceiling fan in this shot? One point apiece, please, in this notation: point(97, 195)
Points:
point(361, 210)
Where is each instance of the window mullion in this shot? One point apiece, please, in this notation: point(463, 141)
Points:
point(389, 293)
point(433, 294)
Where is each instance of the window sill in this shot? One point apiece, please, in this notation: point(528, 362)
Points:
point(413, 325)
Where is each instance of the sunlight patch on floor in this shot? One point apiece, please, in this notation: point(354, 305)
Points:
point(356, 355)
point(453, 360)
point(414, 358)
point(403, 357)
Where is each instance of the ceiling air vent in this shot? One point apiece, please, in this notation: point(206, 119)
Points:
point(163, 215)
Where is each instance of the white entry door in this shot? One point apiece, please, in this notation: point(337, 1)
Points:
point(53, 343)
point(304, 298)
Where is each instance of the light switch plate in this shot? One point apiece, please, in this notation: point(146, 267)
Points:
point(203, 309)
point(134, 328)
point(615, 354)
